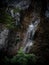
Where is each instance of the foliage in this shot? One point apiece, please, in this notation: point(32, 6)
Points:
point(7, 19)
point(17, 10)
point(21, 59)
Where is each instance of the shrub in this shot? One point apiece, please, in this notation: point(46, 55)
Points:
point(21, 59)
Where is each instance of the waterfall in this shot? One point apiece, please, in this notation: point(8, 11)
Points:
point(29, 36)
point(3, 37)
point(17, 18)
point(12, 13)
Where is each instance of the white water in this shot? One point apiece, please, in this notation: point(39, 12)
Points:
point(3, 37)
point(29, 36)
point(12, 13)
point(17, 18)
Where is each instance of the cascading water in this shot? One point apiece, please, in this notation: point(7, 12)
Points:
point(3, 37)
point(29, 36)
point(12, 13)
point(16, 16)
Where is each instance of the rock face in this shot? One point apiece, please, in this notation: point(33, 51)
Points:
point(41, 44)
